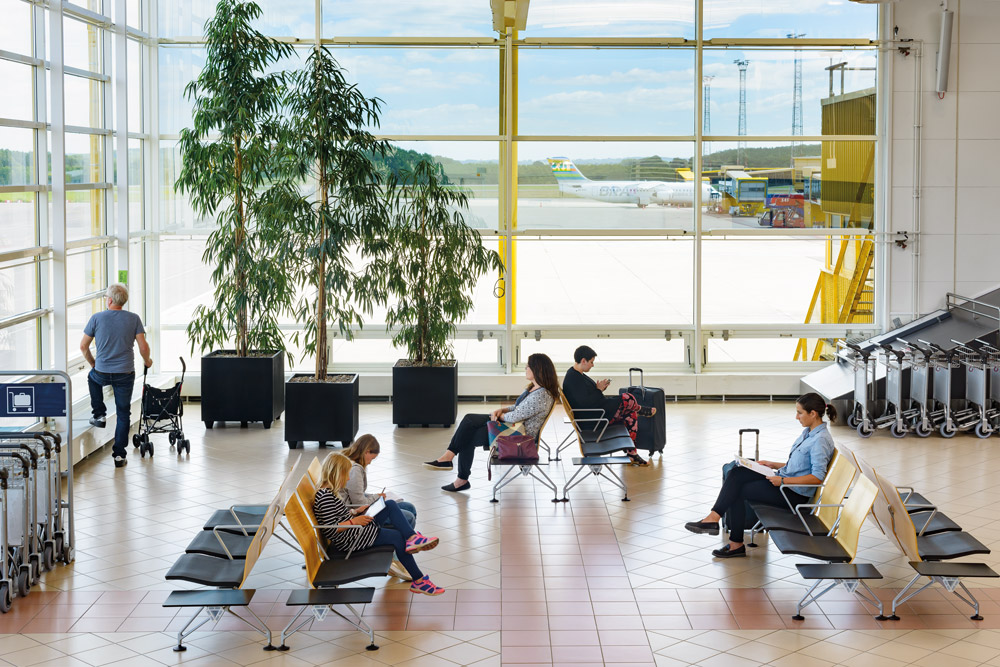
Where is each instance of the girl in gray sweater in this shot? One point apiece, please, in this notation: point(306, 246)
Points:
point(531, 408)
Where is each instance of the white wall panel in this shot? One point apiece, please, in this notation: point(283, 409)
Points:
point(958, 153)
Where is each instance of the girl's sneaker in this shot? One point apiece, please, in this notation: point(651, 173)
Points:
point(424, 585)
point(418, 542)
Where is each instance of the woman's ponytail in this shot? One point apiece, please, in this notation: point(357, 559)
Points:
point(813, 402)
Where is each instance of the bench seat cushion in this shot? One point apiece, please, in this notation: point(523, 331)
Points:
point(225, 518)
point(779, 518)
point(207, 571)
point(606, 446)
point(939, 524)
point(335, 571)
point(819, 547)
point(206, 543)
point(946, 546)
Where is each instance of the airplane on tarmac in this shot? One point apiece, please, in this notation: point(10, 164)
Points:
point(641, 193)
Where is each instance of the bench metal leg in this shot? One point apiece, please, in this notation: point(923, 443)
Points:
point(854, 586)
point(545, 480)
point(757, 528)
point(573, 481)
point(971, 600)
point(619, 482)
point(501, 483)
point(184, 633)
point(902, 597)
point(566, 443)
point(288, 631)
point(318, 614)
point(597, 470)
point(950, 584)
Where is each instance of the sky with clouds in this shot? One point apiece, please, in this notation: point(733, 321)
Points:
point(602, 92)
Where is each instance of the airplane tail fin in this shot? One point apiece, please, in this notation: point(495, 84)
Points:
point(564, 170)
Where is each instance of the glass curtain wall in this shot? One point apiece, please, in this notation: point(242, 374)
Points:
point(684, 185)
point(71, 162)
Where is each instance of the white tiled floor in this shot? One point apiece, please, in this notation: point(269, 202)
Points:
point(590, 581)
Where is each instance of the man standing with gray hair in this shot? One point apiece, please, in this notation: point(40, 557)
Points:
point(115, 330)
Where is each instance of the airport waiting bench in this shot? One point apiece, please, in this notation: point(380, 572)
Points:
point(598, 439)
point(524, 467)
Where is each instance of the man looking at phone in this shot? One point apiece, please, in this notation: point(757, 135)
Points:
point(584, 393)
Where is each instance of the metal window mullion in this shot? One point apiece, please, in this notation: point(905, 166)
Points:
point(883, 198)
point(24, 124)
point(696, 345)
point(151, 179)
point(42, 198)
point(21, 318)
point(121, 128)
point(58, 122)
point(20, 58)
point(85, 74)
point(85, 15)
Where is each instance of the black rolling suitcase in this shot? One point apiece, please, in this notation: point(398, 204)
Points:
point(652, 433)
point(749, 514)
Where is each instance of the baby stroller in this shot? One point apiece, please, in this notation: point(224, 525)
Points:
point(162, 412)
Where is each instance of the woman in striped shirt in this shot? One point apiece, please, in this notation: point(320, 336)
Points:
point(346, 528)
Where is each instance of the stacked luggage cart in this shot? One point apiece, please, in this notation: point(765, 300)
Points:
point(920, 393)
point(35, 502)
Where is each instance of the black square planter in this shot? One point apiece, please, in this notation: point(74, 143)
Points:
point(321, 411)
point(242, 389)
point(424, 395)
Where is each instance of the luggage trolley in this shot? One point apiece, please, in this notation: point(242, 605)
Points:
point(17, 522)
point(895, 416)
point(993, 357)
point(46, 520)
point(978, 415)
point(920, 388)
point(162, 411)
point(36, 520)
point(943, 363)
point(864, 384)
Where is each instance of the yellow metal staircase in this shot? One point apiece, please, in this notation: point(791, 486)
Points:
point(844, 294)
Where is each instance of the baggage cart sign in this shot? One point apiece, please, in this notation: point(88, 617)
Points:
point(44, 399)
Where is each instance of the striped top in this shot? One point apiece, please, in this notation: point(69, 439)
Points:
point(331, 510)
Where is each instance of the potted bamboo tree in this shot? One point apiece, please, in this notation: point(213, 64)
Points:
point(437, 259)
point(337, 236)
point(227, 164)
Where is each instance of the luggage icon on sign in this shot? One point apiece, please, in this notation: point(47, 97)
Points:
point(20, 400)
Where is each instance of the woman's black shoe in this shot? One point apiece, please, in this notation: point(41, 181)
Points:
point(451, 487)
point(726, 552)
point(439, 465)
point(703, 527)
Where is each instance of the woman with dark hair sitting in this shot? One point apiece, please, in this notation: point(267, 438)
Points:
point(807, 464)
point(531, 407)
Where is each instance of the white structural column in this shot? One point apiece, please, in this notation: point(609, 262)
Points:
point(60, 358)
point(696, 346)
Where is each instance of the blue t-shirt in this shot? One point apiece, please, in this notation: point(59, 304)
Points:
point(114, 333)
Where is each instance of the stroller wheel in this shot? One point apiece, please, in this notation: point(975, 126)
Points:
point(5, 599)
point(184, 446)
point(173, 438)
point(136, 440)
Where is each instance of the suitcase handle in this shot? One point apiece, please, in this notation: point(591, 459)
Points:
point(756, 432)
point(642, 382)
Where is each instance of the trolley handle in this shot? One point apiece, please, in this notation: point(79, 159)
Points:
point(32, 454)
point(15, 455)
point(29, 436)
point(899, 354)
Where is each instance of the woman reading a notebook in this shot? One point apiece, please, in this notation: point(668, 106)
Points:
point(807, 464)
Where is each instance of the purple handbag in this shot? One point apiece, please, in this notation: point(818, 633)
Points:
point(516, 447)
